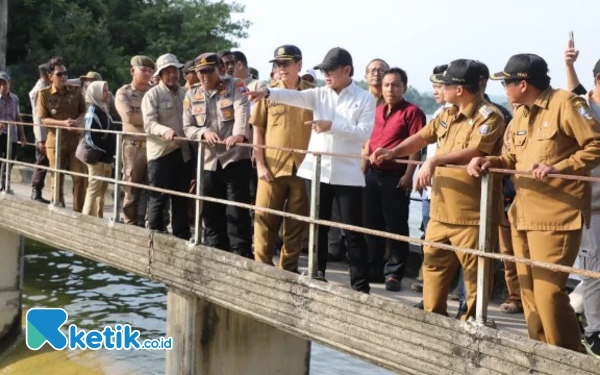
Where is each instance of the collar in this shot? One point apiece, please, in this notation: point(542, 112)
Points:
point(395, 107)
point(374, 93)
point(472, 107)
point(8, 96)
point(544, 98)
point(53, 89)
point(300, 86)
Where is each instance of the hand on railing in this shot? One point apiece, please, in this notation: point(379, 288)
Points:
point(541, 170)
point(232, 140)
point(211, 138)
point(169, 135)
point(478, 166)
point(380, 155)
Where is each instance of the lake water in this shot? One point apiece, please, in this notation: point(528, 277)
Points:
point(95, 295)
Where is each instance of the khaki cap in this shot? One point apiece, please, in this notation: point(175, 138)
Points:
point(93, 76)
point(141, 60)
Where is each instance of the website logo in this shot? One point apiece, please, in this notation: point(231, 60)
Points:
point(44, 326)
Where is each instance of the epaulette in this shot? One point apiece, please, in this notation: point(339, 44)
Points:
point(485, 111)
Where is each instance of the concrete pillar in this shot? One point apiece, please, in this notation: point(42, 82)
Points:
point(11, 285)
point(212, 340)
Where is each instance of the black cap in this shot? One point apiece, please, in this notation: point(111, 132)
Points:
point(336, 57)
point(597, 68)
point(188, 67)
point(287, 52)
point(484, 71)
point(460, 72)
point(523, 66)
point(209, 59)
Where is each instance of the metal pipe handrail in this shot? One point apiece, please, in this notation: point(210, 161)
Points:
point(391, 236)
point(322, 153)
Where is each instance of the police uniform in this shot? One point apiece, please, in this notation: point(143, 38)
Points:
point(69, 104)
point(135, 164)
point(227, 172)
point(455, 196)
point(283, 126)
point(548, 215)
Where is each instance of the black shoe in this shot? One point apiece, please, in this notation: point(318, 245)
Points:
point(393, 285)
point(462, 309)
point(420, 306)
point(592, 344)
point(36, 195)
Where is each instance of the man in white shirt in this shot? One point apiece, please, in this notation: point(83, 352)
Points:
point(589, 252)
point(344, 115)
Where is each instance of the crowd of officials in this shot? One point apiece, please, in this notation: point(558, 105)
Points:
point(223, 103)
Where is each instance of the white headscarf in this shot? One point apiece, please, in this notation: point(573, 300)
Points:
point(93, 95)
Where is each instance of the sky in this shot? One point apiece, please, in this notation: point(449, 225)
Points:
point(417, 35)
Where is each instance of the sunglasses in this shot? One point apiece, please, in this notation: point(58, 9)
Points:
point(61, 74)
point(507, 82)
point(206, 71)
point(283, 64)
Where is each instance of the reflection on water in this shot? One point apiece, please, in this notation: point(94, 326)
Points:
point(94, 295)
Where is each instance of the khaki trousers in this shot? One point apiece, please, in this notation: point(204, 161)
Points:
point(550, 317)
point(135, 169)
point(96, 190)
point(69, 162)
point(440, 266)
point(288, 192)
point(510, 268)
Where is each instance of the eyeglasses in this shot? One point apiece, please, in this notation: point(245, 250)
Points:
point(376, 71)
point(283, 64)
point(328, 72)
point(61, 74)
point(206, 71)
point(507, 82)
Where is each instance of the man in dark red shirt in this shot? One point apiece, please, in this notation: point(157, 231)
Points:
point(388, 185)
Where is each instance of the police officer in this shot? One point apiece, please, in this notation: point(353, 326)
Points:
point(470, 127)
point(553, 131)
point(189, 74)
point(135, 164)
point(281, 125)
point(216, 111)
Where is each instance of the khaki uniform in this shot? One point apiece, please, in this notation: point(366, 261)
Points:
point(379, 99)
point(226, 172)
point(135, 164)
point(548, 215)
point(70, 104)
point(284, 127)
point(455, 201)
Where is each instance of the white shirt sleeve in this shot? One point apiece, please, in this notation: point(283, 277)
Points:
point(304, 99)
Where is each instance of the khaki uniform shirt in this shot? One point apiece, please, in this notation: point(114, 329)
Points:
point(224, 111)
point(378, 99)
point(128, 102)
point(284, 127)
point(558, 130)
point(68, 105)
point(455, 196)
point(162, 111)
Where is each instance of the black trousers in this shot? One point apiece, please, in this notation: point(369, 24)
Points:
point(39, 175)
point(227, 227)
point(386, 210)
point(169, 172)
point(349, 202)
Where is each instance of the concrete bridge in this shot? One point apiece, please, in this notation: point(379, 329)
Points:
point(230, 315)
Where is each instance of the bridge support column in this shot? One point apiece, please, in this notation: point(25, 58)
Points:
point(11, 283)
point(212, 340)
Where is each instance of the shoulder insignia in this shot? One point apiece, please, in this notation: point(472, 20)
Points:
point(240, 85)
point(485, 129)
point(443, 124)
point(585, 112)
point(485, 111)
point(199, 96)
point(186, 104)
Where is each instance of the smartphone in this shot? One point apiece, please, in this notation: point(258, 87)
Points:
point(571, 40)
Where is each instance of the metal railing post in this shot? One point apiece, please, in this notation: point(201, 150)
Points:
point(199, 190)
point(313, 239)
point(57, 166)
point(7, 168)
point(485, 244)
point(118, 167)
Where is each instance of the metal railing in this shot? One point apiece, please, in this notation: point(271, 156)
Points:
point(485, 227)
